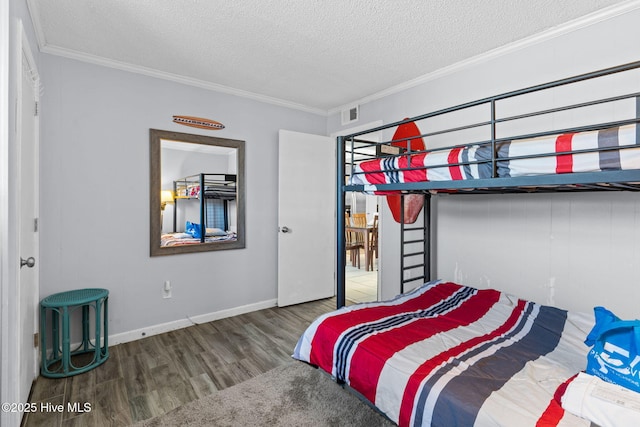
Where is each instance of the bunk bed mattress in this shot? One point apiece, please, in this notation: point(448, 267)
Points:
point(606, 140)
point(210, 191)
point(182, 239)
point(446, 165)
point(544, 156)
point(447, 354)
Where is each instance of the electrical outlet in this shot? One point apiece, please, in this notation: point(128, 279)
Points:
point(166, 289)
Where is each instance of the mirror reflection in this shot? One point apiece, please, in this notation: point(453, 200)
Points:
point(197, 193)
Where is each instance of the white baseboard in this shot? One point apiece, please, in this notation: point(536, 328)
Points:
point(189, 321)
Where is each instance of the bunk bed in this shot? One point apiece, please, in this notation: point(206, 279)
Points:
point(449, 354)
point(202, 188)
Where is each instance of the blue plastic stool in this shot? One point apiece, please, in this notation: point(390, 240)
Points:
point(61, 305)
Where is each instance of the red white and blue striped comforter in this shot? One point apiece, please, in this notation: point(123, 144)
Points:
point(450, 355)
point(616, 148)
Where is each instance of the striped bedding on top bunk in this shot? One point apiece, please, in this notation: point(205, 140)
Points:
point(451, 355)
point(566, 163)
point(473, 162)
point(445, 165)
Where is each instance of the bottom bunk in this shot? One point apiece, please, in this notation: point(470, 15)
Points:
point(188, 238)
point(446, 354)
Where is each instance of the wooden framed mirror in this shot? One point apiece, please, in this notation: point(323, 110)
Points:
point(197, 193)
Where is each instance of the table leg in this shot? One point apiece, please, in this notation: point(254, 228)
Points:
point(366, 250)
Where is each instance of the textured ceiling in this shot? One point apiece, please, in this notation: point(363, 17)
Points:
point(317, 55)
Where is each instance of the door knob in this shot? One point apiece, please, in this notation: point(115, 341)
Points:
point(29, 262)
point(285, 229)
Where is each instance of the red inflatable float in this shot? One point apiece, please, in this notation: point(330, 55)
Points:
point(412, 202)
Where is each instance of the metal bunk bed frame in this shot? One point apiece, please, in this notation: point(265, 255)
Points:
point(204, 180)
point(608, 180)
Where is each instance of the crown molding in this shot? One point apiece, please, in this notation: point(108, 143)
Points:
point(123, 66)
point(566, 28)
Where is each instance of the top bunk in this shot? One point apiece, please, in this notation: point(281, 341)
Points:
point(575, 134)
point(216, 186)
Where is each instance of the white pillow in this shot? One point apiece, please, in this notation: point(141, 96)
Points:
point(603, 403)
point(215, 232)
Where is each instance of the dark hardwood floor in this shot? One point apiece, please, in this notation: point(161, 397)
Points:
point(154, 375)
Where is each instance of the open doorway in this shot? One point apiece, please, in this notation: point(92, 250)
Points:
point(362, 283)
point(361, 272)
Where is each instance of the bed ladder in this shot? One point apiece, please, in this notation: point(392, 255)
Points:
point(415, 248)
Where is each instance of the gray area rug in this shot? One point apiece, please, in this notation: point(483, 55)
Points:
point(295, 394)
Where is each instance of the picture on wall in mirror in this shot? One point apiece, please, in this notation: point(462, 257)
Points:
point(196, 193)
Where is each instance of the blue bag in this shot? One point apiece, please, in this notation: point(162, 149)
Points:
point(193, 229)
point(614, 356)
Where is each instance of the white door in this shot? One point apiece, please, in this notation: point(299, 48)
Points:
point(306, 218)
point(7, 266)
point(27, 224)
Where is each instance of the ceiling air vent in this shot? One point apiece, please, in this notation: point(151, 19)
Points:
point(350, 114)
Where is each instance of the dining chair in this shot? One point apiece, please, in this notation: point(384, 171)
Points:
point(354, 242)
point(373, 243)
point(359, 219)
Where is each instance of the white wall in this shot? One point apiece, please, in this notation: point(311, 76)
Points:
point(95, 194)
point(573, 251)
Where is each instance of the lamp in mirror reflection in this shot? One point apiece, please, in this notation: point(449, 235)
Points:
point(166, 196)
